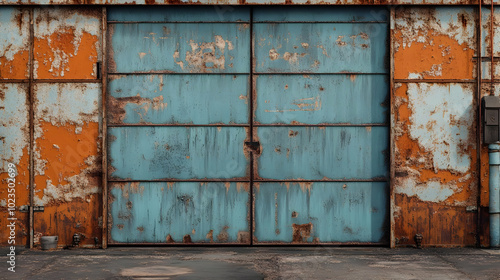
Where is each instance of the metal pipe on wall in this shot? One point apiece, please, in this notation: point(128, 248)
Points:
point(494, 156)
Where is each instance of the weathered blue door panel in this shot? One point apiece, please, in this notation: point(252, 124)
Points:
point(321, 47)
point(321, 99)
point(149, 153)
point(178, 99)
point(179, 14)
point(179, 212)
point(316, 153)
point(320, 14)
point(180, 47)
point(320, 212)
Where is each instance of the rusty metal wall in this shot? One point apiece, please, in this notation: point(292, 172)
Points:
point(67, 147)
point(440, 187)
point(14, 118)
point(242, 2)
point(435, 116)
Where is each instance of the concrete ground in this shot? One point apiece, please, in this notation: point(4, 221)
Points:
point(255, 263)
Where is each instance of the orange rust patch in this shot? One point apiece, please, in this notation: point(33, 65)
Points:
point(169, 239)
point(17, 68)
point(64, 151)
point(301, 232)
point(64, 56)
point(443, 58)
point(440, 225)
point(22, 198)
point(66, 219)
point(186, 239)
point(485, 180)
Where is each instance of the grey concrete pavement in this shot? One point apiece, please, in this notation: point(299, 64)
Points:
point(255, 263)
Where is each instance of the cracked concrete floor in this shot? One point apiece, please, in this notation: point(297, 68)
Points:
point(255, 263)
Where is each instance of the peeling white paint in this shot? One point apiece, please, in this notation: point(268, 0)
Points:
point(14, 38)
point(440, 122)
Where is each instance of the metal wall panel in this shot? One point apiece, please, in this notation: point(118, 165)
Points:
point(177, 99)
point(179, 213)
point(319, 14)
point(14, 148)
point(435, 126)
point(441, 47)
point(66, 43)
point(318, 212)
point(180, 14)
point(149, 153)
point(14, 44)
point(179, 47)
point(321, 99)
point(321, 47)
point(322, 153)
point(66, 160)
point(435, 162)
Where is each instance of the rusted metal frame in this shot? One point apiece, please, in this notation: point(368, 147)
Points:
point(258, 244)
point(313, 73)
point(32, 130)
point(478, 122)
point(168, 180)
point(50, 81)
point(253, 96)
point(435, 80)
point(344, 21)
point(18, 81)
point(174, 125)
point(67, 81)
point(161, 22)
point(253, 74)
point(320, 181)
point(247, 180)
point(246, 125)
point(325, 125)
point(169, 73)
point(392, 226)
point(104, 132)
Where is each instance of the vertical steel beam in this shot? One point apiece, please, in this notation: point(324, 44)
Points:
point(32, 131)
point(392, 125)
point(104, 85)
point(251, 117)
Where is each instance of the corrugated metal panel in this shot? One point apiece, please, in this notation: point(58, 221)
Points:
point(322, 153)
point(179, 48)
point(14, 44)
point(321, 47)
point(149, 153)
point(179, 213)
point(322, 99)
point(330, 125)
point(161, 99)
point(14, 148)
point(180, 14)
point(320, 212)
point(67, 43)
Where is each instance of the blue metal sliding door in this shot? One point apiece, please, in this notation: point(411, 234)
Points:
point(249, 126)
